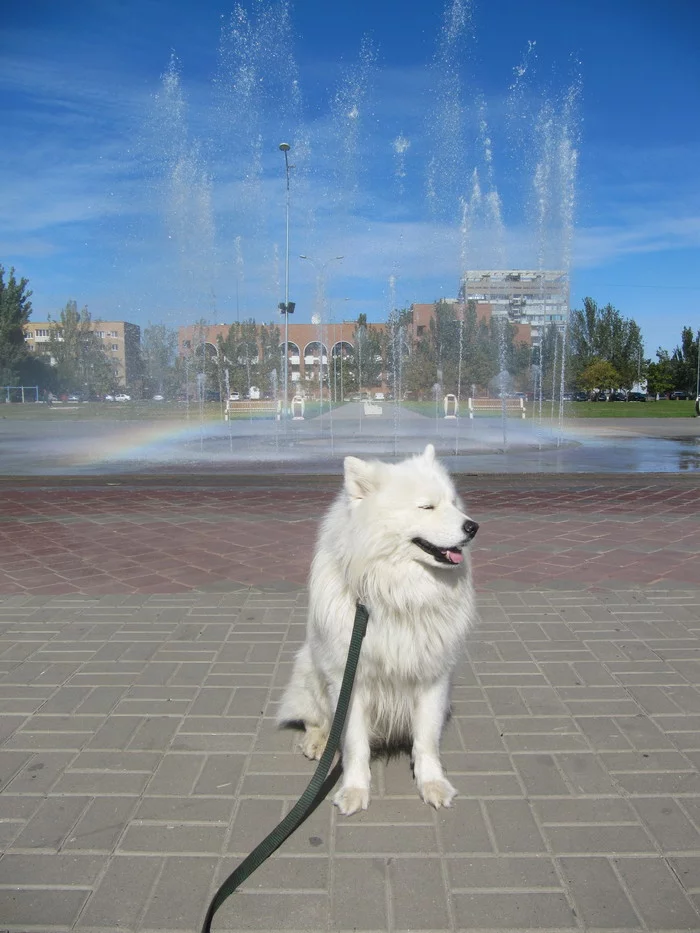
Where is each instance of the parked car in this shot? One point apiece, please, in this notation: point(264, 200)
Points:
point(679, 396)
point(109, 398)
point(636, 397)
point(234, 397)
point(379, 396)
point(580, 396)
point(122, 397)
point(158, 398)
point(617, 397)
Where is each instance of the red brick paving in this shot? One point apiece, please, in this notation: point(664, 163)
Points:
point(535, 532)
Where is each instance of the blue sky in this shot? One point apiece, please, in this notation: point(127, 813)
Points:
point(162, 199)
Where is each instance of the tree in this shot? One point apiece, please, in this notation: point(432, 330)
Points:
point(599, 375)
point(684, 362)
point(240, 354)
point(270, 354)
point(397, 349)
point(15, 310)
point(660, 378)
point(368, 353)
point(77, 355)
point(158, 354)
point(604, 334)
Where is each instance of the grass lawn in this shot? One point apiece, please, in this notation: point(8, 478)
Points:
point(662, 409)
point(213, 411)
point(110, 411)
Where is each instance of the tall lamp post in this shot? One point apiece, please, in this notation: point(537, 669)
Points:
point(286, 307)
point(319, 273)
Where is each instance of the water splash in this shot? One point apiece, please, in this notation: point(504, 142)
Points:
point(350, 112)
point(400, 147)
point(221, 184)
point(446, 124)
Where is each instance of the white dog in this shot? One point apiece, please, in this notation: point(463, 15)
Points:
point(393, 539)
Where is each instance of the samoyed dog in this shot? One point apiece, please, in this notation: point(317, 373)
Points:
point(395, 539)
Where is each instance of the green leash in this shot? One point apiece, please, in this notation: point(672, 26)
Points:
point(318, 786)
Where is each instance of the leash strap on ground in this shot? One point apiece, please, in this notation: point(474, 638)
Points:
point(318, 785)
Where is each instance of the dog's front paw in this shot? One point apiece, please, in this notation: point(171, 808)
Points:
point(313, 742)
point(351, 799)
point(438, 793)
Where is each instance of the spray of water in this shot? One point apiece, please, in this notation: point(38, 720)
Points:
point(446, 123)
point(221, 208)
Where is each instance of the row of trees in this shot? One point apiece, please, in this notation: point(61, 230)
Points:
point(73, 359)
point(456, 351)
point(605, 351)
point(453, 352)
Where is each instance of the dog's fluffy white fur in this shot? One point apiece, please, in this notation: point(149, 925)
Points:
point(393, 539)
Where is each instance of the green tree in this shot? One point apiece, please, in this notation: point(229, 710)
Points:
point(604, 334)
point(158, 354)
point(15, 310)
point(420, 371)
point(546, 355)
point(397, 349)
point(240, 354)
point(270, 353)
point(77, 355)
point(684, 362)
point(599, 375)
point(368, 353)
point(660, 375)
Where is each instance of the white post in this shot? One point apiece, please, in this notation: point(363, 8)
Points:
point(285, 147)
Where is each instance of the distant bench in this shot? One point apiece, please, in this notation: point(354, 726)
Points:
point(514, 406)
point(254, 406)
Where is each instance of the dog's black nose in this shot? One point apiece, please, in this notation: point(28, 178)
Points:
point(470, 528)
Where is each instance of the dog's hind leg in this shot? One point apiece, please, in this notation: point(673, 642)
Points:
point(428, 722)
point(304, 701)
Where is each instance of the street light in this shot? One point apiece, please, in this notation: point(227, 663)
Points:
point(320, 287)
point(286, 307)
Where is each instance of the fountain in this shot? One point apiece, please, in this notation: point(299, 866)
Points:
point(463, 191)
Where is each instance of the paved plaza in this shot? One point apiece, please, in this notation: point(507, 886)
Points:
point(147, 627)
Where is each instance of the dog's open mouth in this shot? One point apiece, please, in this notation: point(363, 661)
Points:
point(443, 555)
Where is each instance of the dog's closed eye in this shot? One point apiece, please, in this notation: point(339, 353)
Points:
point(426, 506)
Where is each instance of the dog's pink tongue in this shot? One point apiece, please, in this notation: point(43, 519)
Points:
point(455, 556)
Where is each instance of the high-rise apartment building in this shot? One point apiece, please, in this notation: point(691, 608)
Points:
point(535, 297)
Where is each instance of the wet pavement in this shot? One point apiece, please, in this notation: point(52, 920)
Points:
point(147, 627)
point(52, 447)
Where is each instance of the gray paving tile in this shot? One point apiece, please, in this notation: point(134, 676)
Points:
point(359, 898)
point(418, 897)
point(600, 900)
point(41, 907)
point(181, 894)
point(513, 911)
point(658, 896)
point(122, 893)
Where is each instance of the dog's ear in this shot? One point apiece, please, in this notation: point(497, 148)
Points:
point(360, 477)
point(429, 453)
